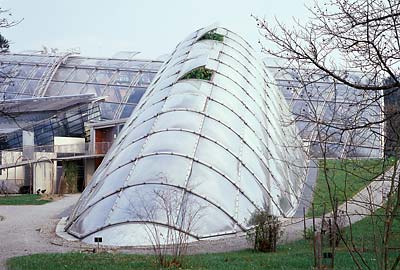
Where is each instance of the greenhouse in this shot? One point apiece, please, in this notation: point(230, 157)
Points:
point(107, 89)
point(210, 142)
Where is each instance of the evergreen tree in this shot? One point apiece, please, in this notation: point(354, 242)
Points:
point(4, 44)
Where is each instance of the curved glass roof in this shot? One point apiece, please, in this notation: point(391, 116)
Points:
point(121, 81)
point(210, 136)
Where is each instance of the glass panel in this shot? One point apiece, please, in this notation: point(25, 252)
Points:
point(108, 110)
point(125, 78)
point(146, 79)
point(80, 75)
point(62, 74)
point(166, 141)
point(31, 87)
point(112, 94)
point(136, 95)
point(24, 71)
point(102, 76)
point(15, 86)
point(39, 72)
point(127, 111)
point(72, 89)
point(94, 218)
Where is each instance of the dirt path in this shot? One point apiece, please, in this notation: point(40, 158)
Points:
point(24, 228)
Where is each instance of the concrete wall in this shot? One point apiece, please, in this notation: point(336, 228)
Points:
point(90, 168)
point(44, 173)
point(12, 178)
point(69, 145)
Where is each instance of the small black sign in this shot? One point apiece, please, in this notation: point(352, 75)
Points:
point(98, 239)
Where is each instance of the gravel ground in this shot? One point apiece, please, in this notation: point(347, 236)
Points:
point(29, 229)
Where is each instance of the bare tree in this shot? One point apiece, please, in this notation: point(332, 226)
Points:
point(353, 45)
point(170, 215)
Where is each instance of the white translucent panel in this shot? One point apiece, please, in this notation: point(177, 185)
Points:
point(254, 143)
point(192, 87)
point(152, 111)
point(229, 101)
point(156, 169)
point(165, 141)
point(244, 208)
point(226, 116)
point(252, 188)
point(199, 49)
point(128, 233)
point(237, 90)
point(201, 32)
point(133, 150)
point(116, 179)
point(192, 64)
point(179, 119)
point(255, 165)
point(221, 159)
point(233, 53)
point(93, 218)
point(145, 202)
point(214, 222)
point(208, 183)
point(194, 102)
point(223, 135)
point(158, 97)
point(139, 132)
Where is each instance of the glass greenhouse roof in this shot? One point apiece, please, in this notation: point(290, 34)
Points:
point(121, 81)
point(326, 112)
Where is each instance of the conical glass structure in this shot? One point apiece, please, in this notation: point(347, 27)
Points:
point(210, 142)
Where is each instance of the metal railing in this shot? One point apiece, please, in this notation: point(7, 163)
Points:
point(87, 149)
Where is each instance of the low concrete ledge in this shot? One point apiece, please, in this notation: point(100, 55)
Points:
point(63, 234)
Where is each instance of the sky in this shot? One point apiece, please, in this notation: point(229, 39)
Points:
point(102, 28)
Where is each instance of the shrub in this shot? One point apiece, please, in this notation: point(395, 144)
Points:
point(266, 231)
point(212, 36)
point(200, 73)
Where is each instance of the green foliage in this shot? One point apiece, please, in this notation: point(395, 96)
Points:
point(4, 44)
point(266, 231)
point(296, 255)
point(71, 176)
point(212, 36)
point(369, 231)
point(309, 234)
point(200, 73)
point(345, 178)
point(23, 199)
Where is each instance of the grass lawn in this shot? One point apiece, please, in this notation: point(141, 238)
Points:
point(297, 255)
point(345, 175)
point(23, 199)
